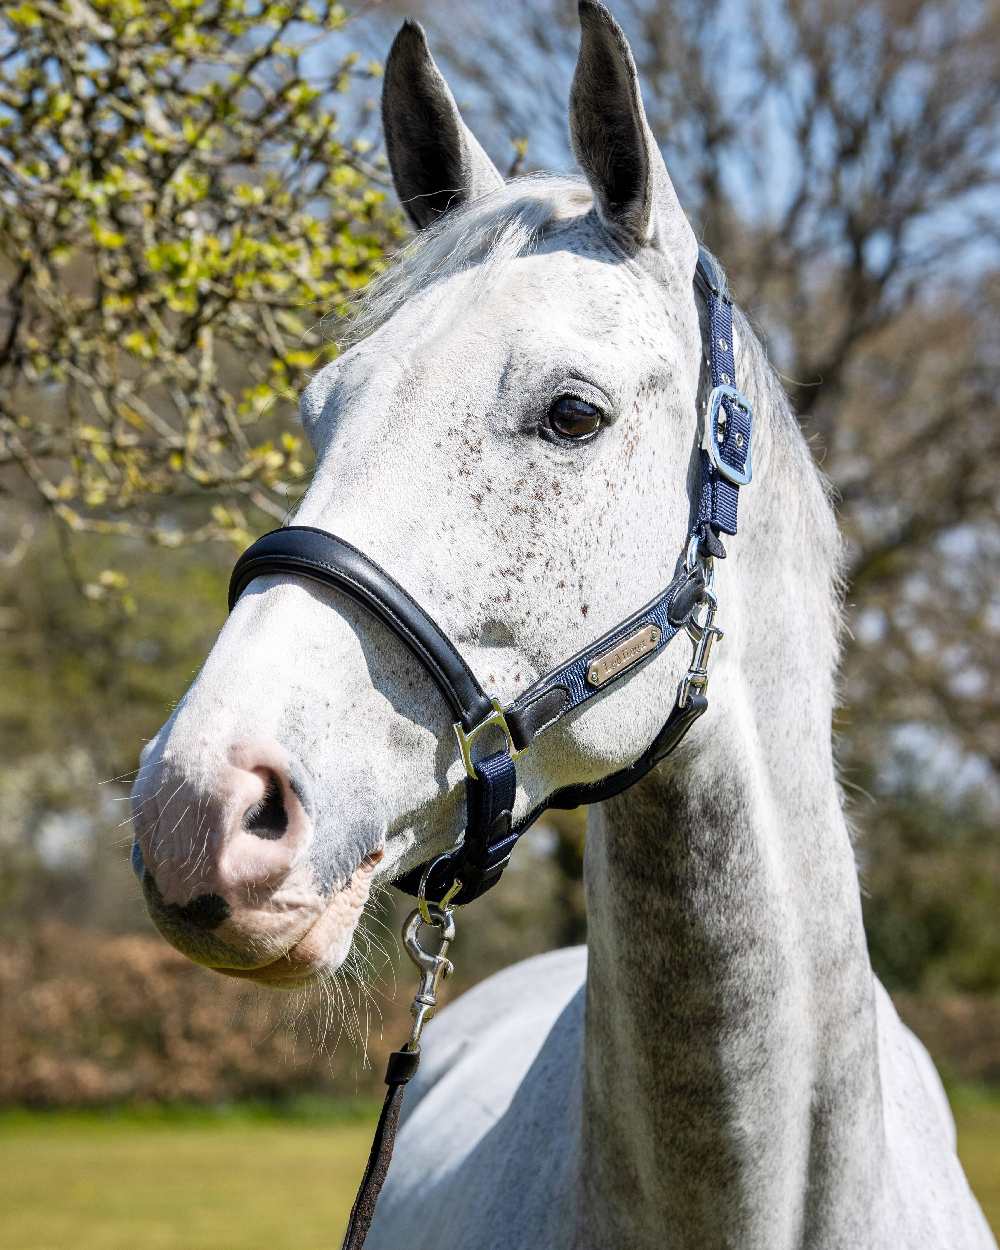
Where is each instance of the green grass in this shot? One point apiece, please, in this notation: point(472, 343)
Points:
point(178, 1182)
point(246, 1178)
point(977, 1114)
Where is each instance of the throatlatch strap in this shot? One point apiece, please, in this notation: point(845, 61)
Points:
point(401, 1067)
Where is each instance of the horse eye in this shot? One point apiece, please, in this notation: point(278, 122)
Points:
point(574, 418)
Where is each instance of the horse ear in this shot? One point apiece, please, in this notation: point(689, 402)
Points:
point(435, 159)
point(613, 143)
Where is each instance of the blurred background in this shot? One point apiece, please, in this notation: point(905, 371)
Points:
point(190, 195)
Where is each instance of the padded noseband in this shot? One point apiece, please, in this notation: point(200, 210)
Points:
point(321, 557)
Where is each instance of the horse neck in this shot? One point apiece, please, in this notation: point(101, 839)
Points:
point(731, 1081)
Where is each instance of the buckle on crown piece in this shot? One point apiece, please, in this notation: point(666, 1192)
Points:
point(738, 477)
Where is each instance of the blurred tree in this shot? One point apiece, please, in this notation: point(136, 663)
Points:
point(841, 157)
point(180, 207)
point(935, 871)
point(84, 684)
point(178, 211)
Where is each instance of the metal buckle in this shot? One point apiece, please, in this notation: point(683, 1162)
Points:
point(495, 720)
point(738, 477)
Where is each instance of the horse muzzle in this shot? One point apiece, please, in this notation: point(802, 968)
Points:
point(226, 869)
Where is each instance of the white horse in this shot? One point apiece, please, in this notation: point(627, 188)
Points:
point(720, 1067)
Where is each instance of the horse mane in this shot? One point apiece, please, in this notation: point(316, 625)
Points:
point(484, 235)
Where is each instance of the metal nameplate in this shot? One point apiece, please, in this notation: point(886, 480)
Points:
point(619, 658)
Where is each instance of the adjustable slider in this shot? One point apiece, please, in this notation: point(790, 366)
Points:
point(496, 720)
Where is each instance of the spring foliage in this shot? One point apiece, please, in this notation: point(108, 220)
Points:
point(179, 208)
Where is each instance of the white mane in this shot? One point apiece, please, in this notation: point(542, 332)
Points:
point(486, 233)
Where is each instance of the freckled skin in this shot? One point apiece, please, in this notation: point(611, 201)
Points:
point(720, 1069)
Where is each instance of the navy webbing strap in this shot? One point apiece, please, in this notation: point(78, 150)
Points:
point(478, 862)
point(601, 663)
point(725, 456)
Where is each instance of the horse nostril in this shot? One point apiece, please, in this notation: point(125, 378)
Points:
point(207, 911)
point(267, 818)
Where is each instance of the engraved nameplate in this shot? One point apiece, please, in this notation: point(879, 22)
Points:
point(613, 662)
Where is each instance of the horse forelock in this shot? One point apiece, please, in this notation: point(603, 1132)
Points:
point(486, 234)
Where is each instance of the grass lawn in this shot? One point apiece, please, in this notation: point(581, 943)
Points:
point(244, 1181)
point(71, 1182)
point(977, 1114)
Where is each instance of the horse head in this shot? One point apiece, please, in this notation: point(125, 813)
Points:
point(512, 432)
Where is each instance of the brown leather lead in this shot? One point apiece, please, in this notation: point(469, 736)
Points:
point(401, 1067)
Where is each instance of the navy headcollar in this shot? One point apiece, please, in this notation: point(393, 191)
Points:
point(477, 862)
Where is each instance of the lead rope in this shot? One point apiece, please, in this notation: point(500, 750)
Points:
point(403, 1064)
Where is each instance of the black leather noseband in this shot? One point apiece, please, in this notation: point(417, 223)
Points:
point(321, 557)
point(478, 861)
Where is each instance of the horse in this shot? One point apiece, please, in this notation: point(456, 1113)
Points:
point(514, 432)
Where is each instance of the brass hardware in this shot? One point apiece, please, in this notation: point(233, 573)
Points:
point(495, 720)
point(627, 653)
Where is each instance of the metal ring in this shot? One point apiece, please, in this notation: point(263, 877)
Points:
point(439, 919)
point(694, 559)
point(443, 904)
